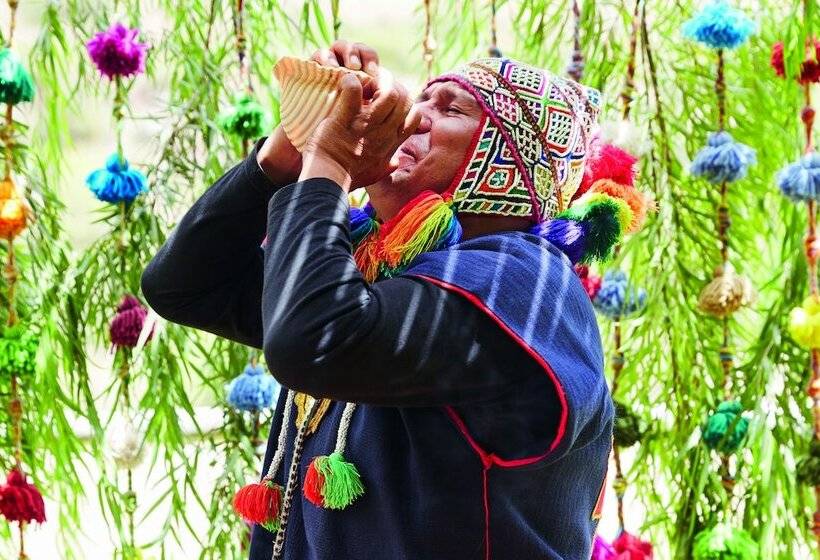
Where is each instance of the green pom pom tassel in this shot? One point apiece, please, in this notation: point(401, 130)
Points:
point(604, 220)
point(16, 85)
point(247, 119)
point(626, 429)
point(18, 349)
point(332, 482)
point(808, 468)
point(725, 430)
point(725, 543)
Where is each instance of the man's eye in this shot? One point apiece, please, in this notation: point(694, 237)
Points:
point(453, 110)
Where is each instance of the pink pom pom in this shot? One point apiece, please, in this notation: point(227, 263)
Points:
point(630, 547)
point(611, 163)
point(127, 325)
point(21, 501)
point(116, 52)
point(590, 281)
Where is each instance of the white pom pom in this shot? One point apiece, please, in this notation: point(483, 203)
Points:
point(125, 443)
point(627, 136)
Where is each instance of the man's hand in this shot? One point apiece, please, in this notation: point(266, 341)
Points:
point(356, 142)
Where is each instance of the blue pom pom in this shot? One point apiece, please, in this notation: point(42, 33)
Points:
point(117, 182)
point(800, 181)
point(719, 26)
point(361, 222)
point(567, 235)
point(617, 298)
point(723, 159)
point(252, 390)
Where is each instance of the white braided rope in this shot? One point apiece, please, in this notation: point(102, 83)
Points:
point(280, 442)
point(344, 426)
point(293, 474)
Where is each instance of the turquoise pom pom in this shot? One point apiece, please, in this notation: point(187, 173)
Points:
point(16, 85)
point(719, 26)
point(617, 298)
point(118, 182)
point(800, 181)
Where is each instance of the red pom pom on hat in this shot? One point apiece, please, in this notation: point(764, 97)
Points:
point(21, 501)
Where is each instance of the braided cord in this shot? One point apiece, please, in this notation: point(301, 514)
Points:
point(280, 442)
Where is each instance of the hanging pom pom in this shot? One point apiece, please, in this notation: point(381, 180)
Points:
point(725, 430)
point(638, 202)
point(362, 223)
point(127, 324)
point(617, 298)
point(589, 229)
point(116, 52)
point(724, 543)
point(800, 181)
point(726, 293)
point(246, 119)
point(722, 159)
point(16, 85)
point(719, 26)
point(331, 482)
point(117, 182)
point(602, 550)
point(21, 501)
point(252, 390)
point(14, 211)
point(804, 323)
point(809, 70)
point(626, 430)
point(260, 503)
point(625, 135)
point(808, 467)
point(628, 546)
point(589, 280)
point(609, 162)
point(18, 351)
point(125, 444)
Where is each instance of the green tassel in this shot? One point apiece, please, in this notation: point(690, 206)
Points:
point(725, 430)
point(247, 119)
point(724, 543)
point(605, 219)
point(342, 481)
point(16, 85)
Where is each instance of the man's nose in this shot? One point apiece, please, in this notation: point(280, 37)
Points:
point(426, 122)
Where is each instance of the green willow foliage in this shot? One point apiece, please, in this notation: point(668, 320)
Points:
point(672, 373)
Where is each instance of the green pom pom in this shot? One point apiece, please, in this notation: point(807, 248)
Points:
point(808, 468)
point(342, 481)
point(724, 543)
point(18, 348)
point(626, 429)
point(247, 119)
point(16, 84)
point(602, 218)
point(725, 430)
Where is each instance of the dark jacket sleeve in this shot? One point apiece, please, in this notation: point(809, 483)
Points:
point(401, 341)
point(208, 274)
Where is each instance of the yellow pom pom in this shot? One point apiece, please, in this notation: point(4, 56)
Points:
point(804, 323)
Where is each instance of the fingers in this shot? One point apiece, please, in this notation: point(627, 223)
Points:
point(356, 56)
point(387, 103)
point(349, 100)
point(325, 57)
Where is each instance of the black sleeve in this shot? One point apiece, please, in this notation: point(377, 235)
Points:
point(399, 342)
point(208, 274)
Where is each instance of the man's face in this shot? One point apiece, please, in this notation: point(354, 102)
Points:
point(430, 158)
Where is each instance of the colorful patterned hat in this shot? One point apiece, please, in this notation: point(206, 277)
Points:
point(527, 156)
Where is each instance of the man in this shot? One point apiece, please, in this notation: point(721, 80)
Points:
point(483, 424)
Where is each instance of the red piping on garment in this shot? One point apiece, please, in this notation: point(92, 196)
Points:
point(562, 398)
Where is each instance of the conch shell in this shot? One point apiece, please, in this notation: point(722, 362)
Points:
point(308, 95)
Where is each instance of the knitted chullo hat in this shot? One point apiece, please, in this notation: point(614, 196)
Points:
point(527, 156)
point(534, 155)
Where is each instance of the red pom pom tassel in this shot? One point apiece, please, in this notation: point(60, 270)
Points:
point(314, 485)
point(21, 501)
point(611, 163)
point(260, 503)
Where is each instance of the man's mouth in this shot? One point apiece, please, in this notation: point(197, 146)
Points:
point(406, 157)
